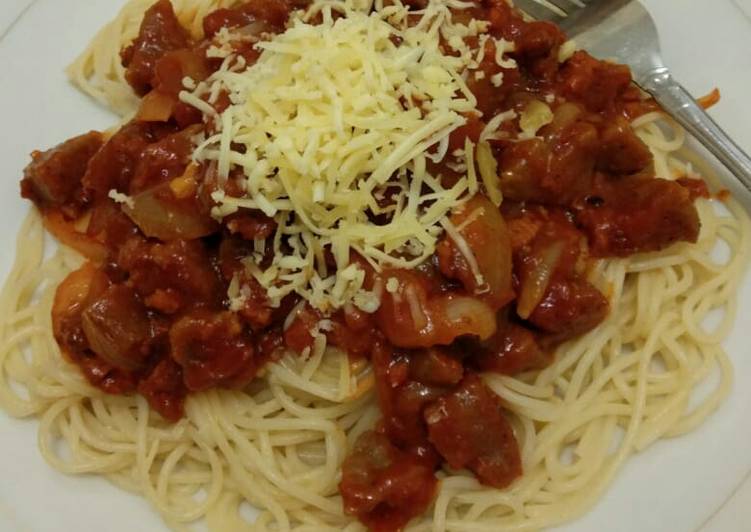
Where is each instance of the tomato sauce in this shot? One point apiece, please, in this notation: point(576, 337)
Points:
point(149, 313)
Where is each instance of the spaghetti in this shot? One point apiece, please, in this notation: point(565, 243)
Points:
point(278, 444)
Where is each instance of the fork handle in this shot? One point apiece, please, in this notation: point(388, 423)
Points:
point(683, 108)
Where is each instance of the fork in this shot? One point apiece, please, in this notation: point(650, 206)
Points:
point(624, 30)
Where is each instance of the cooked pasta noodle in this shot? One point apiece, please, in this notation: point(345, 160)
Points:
point(278, 445)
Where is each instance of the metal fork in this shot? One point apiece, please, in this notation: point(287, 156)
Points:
point(624, 30)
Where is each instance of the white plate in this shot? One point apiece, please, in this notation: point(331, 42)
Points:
point(674, 486)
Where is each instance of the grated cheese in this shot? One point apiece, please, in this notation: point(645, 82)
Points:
point(392, 285)
point(502, 47)
point(332, 119)
point(119, 197)
point(490, 131)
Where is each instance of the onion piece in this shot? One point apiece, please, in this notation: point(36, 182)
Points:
point(255, 29)
point(488, 168)
point(411, 318)
point(536, 283)
point(116, 327)
point(156, 107)
point(477, 251)
point(66, 231)
point(159, 214)
point(71, 295)
point(464, 315)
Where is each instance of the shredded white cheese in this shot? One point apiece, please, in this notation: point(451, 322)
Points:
point(502, 47)
point(392, 285)
point(119, 197)
point(490, 131)
point(334, 124)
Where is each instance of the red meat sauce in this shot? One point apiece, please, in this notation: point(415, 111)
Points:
point(148, 313)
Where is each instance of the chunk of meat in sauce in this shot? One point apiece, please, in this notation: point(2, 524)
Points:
point(174, 66)
point(53, 178)
point(355, 338)
point(383, 486)
point(250, 224)
point(162, 160)
point(547, 247)
point(532, 38)
point(536, 42)
point(535, 39)
point(512, 350)
point(171, 276)
point(109, 225)
point(256, 309)
point(435, 366)
point(555, 170)
point(258, 17)
point(570, 307)
point(407, 383)
point(637, 215)
point(299, 336)
point(622, 152)
point(402, 400)
point(490, 99)
point(595, 84)
point(213, 349)
point(550, 260)
point(163, 102)
point(163, 388)
point(160, 32)
point(559, 166)
point(354, 335)
point(114, 166)
point(469, 430)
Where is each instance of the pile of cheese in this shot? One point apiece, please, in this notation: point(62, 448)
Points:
point(334, 126)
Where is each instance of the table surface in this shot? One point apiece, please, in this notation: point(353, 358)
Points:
point(732, 517)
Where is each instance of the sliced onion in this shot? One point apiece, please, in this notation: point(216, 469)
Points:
point(72, 293)
point(464, 315)
point(255, 29)
point(156, 107)
point(564, 116)
point(67, 233)
point(116, 327)
point(536, 283)
point(482, 238)
point(158, 214)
